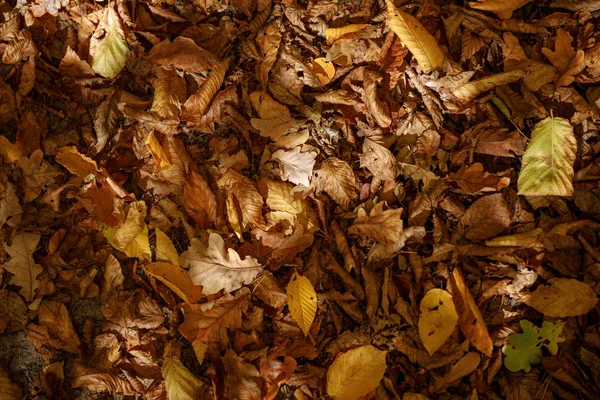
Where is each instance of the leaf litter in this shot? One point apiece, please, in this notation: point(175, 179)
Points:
point(294, 199)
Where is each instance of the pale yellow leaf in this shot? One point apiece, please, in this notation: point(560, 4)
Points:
point(302, 301)
point(323, 70)
point(22, 265)
point(471, 90)
point(333, 34)
point(215, 267)
point(138, 247)
point(355, 373)
point(180, 383)
point(502, 9)
point(176, 279)
point(562, 297)
point(165, 251)
point(108, 46)
point(437, 320)
point(132, 226)
point(77, 163)
point(423, 46)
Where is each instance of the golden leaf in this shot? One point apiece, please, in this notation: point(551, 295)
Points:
point(132, 225)
point(383, 226)
point(8, 389)
point(195, 107)
point(356, 373)
point(165, 251)
point(138, 247)
point(77, 163)
point(176, 279)
point(323, 70)
point(336, 178)
point(423, 46)
point(158, 154)
point(22, 265)
point(471, 90)
point(437, 320)
point(268, 41)
point(180, 383)
point(470, 320)
point(333, 34)
point(108, 46)
point(169, 92)
point(217, 268)
point(302, 301)
point(502, 9)
point(568, 62)
point(561, 298)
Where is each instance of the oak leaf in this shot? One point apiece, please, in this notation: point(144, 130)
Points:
point(437, 319)
point(22, 265)
point(356, 373)
point(217, 268)
point(38, 174)
point(525, 349)
point(561, 298)
point(108, 47)
point(567, 61)
point(296, 167)
point(423, 46)
point(302, 301)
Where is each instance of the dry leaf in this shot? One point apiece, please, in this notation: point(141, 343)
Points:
point(73, 66)
point(562, 298)
point(383, 226)
point(356, 373)
point(78, 164)
point(334, 34)
point(199, 200)
point(195, 107)
point(419, 41)
point(268, 41)
point(22, 265)
point(8, 389)
point(486, 218)
point(55, 317)
point(296, 167)
point(471, 90)
point(108, 47)
point(568, 62)
point(323, 70)
point(169, 92)
point(176, 279)
point(503, 9)
point(100, 381)
point(244, 203)
point(165, 250)
point(180, 383)
point(437, 320)
point(217, 268)
point(302, 301)
point(184, 54)
point(336, 178)
point(473, 179)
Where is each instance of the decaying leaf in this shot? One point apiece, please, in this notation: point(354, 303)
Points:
point(547, 165)
point(195, 107)
point(302, 301)
point(215, 268)
point(22, 264)
point(77, 163)
point(108, 47)
point(437, 320)
point(356, 373)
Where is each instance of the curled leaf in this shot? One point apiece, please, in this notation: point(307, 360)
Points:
point(471, 90)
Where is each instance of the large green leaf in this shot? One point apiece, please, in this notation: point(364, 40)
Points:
point(108, 46)
point(547, 165)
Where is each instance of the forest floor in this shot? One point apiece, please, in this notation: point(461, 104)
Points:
point(260, 199)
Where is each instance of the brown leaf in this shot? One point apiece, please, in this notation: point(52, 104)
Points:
point(73, 66)
point(100, 381)
point(195, 107)
point(242, 379)
point(473, 179)
point(184, 54)
point(486, 218)
point(20, 47)
point(9, 389)
point(268, 41)
point(13, 312)
point(22, 264)
point(244, 203)
point(383, 226)
point(376, 107)
point(55, 317)
point(568, 62)
point(169, 93)
point(199, 200)
point(336, 178)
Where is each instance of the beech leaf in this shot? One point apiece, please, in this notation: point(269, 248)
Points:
point(502, 9)
point(547, 165)
point(471, 90)
point(562, 297)
point(356, 373)
point(437, 320)
point(296, 167)
point(180, 383)
point(108, 46)
point(302, 301)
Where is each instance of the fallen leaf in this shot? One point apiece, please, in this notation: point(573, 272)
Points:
point(324, 70)
point(22, 264)
point(302, 301)
point(547, 165)
point(199, 200)
point(177, 279)
point(55, 316)
point(100, 381)
point(268, 40)
point(108, 47)
point(180, 383)
point(473, 179)
point(463, 367)
point(568, 62)
point(242, 378)
point(336, 178)
point(383, 226)
point(77, 163)
point(165, 251)
point(334, 34)
point(244, 202)
point(73, 66)
point(296, 167)
point(562, 297)
point(9, 204)
point(486, 218)
point(216, 268)
point(195, 107)
point(504, 9)
point(9, 389)
point(471, 90)
point(437, 320)
point(169, 93)
point(184, 54)
point(423, 46)
point(525, 349)
point(355, 373)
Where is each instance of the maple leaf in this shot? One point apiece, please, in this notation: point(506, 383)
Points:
point(22, 265)
point(296, 167)
point(108, 47)
point(216, 268)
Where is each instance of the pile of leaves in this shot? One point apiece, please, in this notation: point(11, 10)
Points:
point(299, 199)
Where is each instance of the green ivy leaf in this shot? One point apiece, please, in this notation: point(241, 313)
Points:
point(525, 349)
point(547, 165)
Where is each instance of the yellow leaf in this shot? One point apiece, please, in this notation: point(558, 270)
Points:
point(468, 92)
point(423, 46)
point(8, 389)
point(195, 107)
point(437, 320)
point(302, 301)
point(176, 279)
point(132, 226)
point(22, 265)
point(561, 298)
point(215, 267)
point(158, 153)
point(165, 251)
point(199, 350)
point(169, 91)
point(108, 46)
point(78, 164)
point(138, 247)
point(323, 69)
point(502, 9)
point(333, 34)
point(529, 240)
point(356, 373)
point(180, 383)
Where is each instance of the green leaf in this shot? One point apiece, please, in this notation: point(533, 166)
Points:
point(547, 165)
point(108, 46)
point(525, 349)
